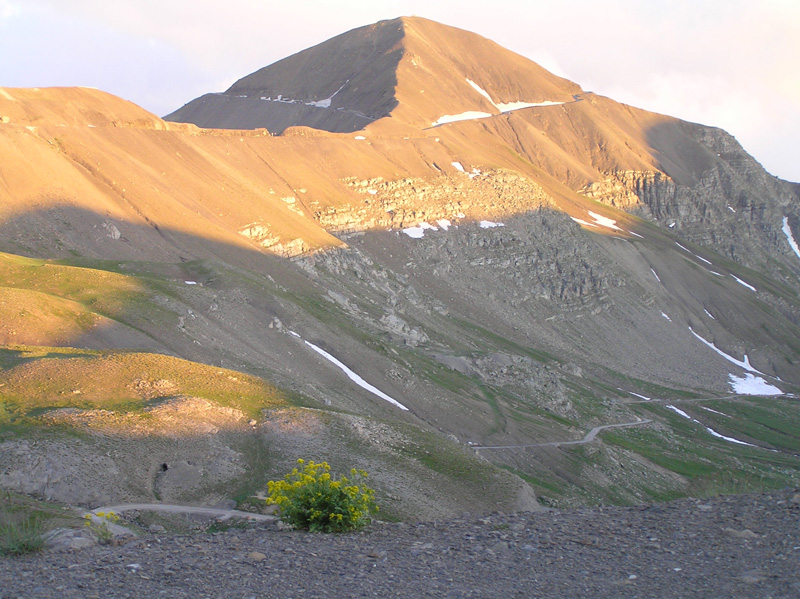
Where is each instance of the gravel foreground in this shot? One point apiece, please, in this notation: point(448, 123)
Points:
point(731, 546)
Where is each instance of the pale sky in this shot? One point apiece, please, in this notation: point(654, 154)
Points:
point(733, 64)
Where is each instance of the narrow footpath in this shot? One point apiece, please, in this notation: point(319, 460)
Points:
point(587, 439)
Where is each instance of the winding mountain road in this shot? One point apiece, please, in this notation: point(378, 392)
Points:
point(587, 439)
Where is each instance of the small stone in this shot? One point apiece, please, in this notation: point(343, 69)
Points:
point(754, 577)
point(741, 534)
point(67, 539)
point(156, 528)
point(256, 556)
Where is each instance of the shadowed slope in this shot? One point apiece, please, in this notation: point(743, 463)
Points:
point(342, 84)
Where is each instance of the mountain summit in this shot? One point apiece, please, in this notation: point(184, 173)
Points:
point(411, 69)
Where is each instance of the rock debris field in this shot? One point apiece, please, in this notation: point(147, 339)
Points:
point(727, 546)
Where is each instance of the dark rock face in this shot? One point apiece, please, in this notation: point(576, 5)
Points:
point(724, 200)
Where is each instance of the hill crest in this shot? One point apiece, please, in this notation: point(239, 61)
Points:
point(410, 69)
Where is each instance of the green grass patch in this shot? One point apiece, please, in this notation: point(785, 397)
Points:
point(483, 338)
point(775, 422)
point(49, 378)
point(710, 464)
point(538, 483)
point(653, 390)
point(24, 519)
point(21, 536)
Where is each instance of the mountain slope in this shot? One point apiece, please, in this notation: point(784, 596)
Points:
point(676, 173)
point(437, 297)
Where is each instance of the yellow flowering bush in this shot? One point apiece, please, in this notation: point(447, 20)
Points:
point(309, 498)
point(101, 529)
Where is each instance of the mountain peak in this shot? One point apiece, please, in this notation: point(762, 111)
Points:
point(410, 68)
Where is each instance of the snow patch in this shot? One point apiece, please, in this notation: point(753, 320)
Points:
point(637, 395)
point(682, 247)
point(360, 137)
point(418, 232)
point(512, 106)
point(731, 209)
point(728, 439)
point(464, 116)
point(444, 224)
point(636, 235)
point(708, 314)
point(715, 411)
point(738, 280)
point(580, 221)
point(789, 237)
point(458, 166)
point(703, 259)
point(655, 275)
point(680, 412)
point(710, 430)
point(752, 385)
point(326, 103)
point(509, 106)
point(665, 316)
point(604, 221)
point(352, 375)
point(744, 364)
point(415, 232)
point(502, 107)
point(487, 224)
point(481, 91)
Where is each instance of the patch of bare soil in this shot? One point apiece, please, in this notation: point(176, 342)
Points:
point(176, 417)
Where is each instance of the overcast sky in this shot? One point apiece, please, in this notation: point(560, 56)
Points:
point(729, 63)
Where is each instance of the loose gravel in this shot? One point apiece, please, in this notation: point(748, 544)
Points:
point(729, 546)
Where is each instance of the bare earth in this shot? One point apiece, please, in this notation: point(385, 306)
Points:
point(729, 546)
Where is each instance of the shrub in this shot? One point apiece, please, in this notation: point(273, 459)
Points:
point(100, 527)
point(311, 499)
